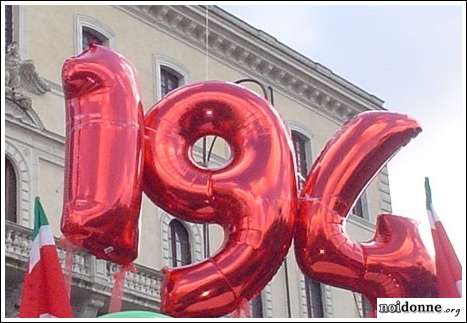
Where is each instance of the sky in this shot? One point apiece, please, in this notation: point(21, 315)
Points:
point(411, 56)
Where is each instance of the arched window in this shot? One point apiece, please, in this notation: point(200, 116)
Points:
point(88, 29)
point(90, 35)
point(11, 191)
point(180, 244)
point(313, 298)
point(301, 146)
point(170, 80)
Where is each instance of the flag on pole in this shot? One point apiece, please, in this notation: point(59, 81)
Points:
point(448, 267)
point(44, 292)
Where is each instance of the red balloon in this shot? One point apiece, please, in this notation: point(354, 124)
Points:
point(103, 157)
point(253, 198)
point(395, 263)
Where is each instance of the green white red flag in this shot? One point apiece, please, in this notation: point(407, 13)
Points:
point(44, 291)
point(448, 266)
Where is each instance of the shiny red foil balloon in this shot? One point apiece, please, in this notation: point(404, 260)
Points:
point(395, 263)
point(253, 198)
point(104, 154)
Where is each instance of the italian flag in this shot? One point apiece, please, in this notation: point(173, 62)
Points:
point(448, 267)
point(44, 290)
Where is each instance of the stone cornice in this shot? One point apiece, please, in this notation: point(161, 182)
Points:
point(261, 56)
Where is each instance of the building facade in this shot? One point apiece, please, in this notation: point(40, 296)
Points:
point(170, 46)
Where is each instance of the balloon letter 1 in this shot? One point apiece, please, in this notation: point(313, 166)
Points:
point(395, 263)
point(103, 158)
point(253, 198)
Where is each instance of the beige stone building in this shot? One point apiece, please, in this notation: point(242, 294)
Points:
point(169, 46)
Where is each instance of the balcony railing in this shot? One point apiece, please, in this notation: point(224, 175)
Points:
point(142, 287)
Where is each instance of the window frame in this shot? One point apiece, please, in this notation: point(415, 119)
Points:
point(309, 147)
point(9, 161)
point(83, 21)
point(362, 199)
point(310, 297)
point(160, 62)
point(95, 33)
point(174, 232)
point(257, 306)
point(173, 73)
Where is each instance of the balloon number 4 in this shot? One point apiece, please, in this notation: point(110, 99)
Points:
point(395, 263)
point(113, 154)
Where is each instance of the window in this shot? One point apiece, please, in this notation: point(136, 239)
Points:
point(300, 143)
point(11, 191)
point(180, 243)
point(313, 289)
point(170, 80)
point(366, 306)
point(257, 306)
point(358, 208)
point(313, 298)
point(8, 25)
point(90, 35)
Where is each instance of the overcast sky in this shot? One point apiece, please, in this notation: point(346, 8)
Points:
point(411, 57)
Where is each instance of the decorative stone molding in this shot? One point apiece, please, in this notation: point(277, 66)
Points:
point(358, 303)
point(195, 235)
point(23, 176)
point(250, 50)
point(90, 274)
point(20, 111)
point(21, 78)
point(267, 301)
point(302, 295)
point(327, 300)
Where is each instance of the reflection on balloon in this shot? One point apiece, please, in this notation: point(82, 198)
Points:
point(253, 198)
point(395, 263)
point(103, 157)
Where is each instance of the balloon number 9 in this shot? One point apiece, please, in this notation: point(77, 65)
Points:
point(252, 198)
point(112, 155)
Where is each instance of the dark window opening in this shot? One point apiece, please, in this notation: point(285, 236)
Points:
point(170, 80)
point(313, 298)
point(90, 35)
point(181, 251)
point(11, 191)
point(300, 142)
point(358, 208)
point(8, 25)
point(257, 306)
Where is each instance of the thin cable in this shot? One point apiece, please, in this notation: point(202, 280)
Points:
point(207, 42)
point(206, 237)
